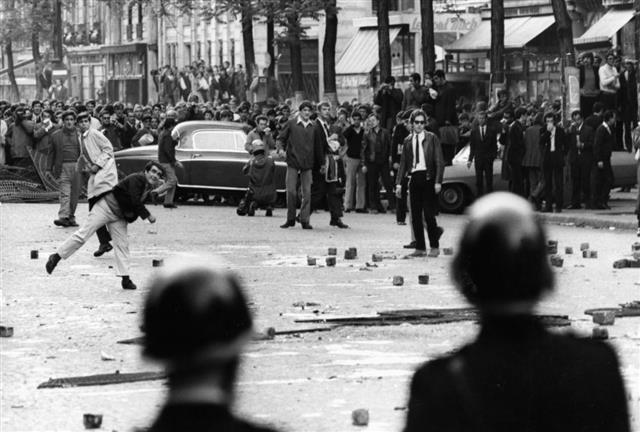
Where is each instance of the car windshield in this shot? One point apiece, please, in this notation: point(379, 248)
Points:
point(462, 156)
point(216, 140)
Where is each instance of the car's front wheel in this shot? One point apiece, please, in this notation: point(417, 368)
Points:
point(453, 198)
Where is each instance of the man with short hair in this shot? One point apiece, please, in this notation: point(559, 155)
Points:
point(482, 152)
point(261, 132)
point(116, 208)
point(446, 115)
point(416, 94)
point(609, 83)
point(63, 158)
point(553, 144)
point(355, 183)
point(375, 156)
point(580, 159)
point(110, 130)
point(297, 140)
point(423, 162)
point(389, 99)
point(167, 158)
point(602, 173)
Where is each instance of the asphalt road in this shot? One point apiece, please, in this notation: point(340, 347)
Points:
point(66, 323)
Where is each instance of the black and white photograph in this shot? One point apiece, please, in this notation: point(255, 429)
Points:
point(320, 215)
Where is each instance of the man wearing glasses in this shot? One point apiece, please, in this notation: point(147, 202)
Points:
point(423, 163)
point(117, 208)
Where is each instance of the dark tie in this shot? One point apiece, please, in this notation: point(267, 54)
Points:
point(417, 150)
point(482, 133)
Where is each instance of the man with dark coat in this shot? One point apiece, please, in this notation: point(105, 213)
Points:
point(602, 174)
point(375, 156)
point(483, 148)
point(516, 375)
point(580, 159)
point(446, 115)
point(553, 151)
point(628, 102)
point(514, 152)
point(167, 158)
point(595, 119)
point(389, 99)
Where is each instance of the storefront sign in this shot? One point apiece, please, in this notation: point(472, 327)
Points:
point(450, 23)
point(572, 85)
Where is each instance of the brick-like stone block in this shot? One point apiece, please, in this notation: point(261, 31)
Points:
point(332, 251)
point(6, 331)
point(331, 261)
point(604, 317)
point(556, 260)
point(398, 281)
point(635, 247)
point(593, 254)
point(634, 263)
point(600, 333)
point(585, 253)
point(552, 249)
point(92, 421)
point(636, 255)
point(376, 258)
point(349, 254)
point(552, 243)
point(568, 250)
point(621, 263)
point(447, 251)
point(423, 279)
point(360, 417)
point(311, 261)
point(157, 263)
point(34, 254)
point(354, 251)
point(584, 246)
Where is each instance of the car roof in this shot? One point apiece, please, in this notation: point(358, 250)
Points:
point(190, 126)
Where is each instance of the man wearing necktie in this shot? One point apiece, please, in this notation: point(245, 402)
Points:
point(553, 152)
point(375, 156)
point(483, 149)
point(422, 161)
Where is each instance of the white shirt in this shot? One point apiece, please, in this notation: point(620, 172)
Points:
point(609, 80)
point(553, 140)
point(419, 140)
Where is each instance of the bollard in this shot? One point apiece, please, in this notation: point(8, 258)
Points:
point(34, 254)
point(331, 261)
point(376, 258)
point(398, 280)
point(568, 250)
point(311, 261)
point(556, 260)
point(584, 246)
point(332, 251)
point(604, 317)
point(157, 263)
point(423, 279)
point(360, 417)
point(6, 331)
point(92, 421)
point(447, 251)
point(600, 333)
point(349, 254)
point(593, 254)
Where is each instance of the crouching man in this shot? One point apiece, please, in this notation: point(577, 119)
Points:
point(261, 193)
point(119, 207)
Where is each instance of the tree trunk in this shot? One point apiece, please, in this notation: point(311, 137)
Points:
point(15, 91)
point(636, 6)
point(295, 49)
point(384, 47)
point(497, 41)
point(428, 42)
point(35, 50)
point(329, 53)
point(57, 31)
point(271, 73)
point(247, 41)
point(565, 32)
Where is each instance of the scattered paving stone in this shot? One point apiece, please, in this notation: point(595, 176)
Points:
point(398, 280)
point(600, 333)
point(607, 317)
point(332, 251)
point(349, 254)
point(433, 253)
point(552, 249)
point(568, 250)
point(635, 247)
point(552, 243)
point(365, 269)
point(368, 264)
point(447, 251)
point(360, 417)
point(584, 246)
point(6, 331)
point(311, 261)
point(636, 255)
point(331, 261)
point(34, 254)
point(106, 357)
point(354, 251)
point(157, 263)
point(626, 263)
point(423, 279)
point(376, 258)
point(593, 254)
point(556, 260)
point(92, 421)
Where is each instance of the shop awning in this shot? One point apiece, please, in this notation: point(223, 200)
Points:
point(602, 31)
point(517, 33)
point(361, 55)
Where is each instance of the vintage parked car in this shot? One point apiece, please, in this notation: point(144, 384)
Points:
point(459, 183)
point(212, 155)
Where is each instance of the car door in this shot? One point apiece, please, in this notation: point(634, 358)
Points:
point(213, 159)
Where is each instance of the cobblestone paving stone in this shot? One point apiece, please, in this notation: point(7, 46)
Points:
point(64, 322)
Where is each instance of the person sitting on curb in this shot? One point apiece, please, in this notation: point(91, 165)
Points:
point(197, 323)
point(121, 206)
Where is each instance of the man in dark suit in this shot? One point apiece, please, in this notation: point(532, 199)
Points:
point(580, 159)
point(514, 152)
point(423, 162)
point(595, 119)
point(602, 174)
point(516, 375)
point(389, 99)
point(375, 156)
point(628, 101)
point(553, 151)
point(482, 151)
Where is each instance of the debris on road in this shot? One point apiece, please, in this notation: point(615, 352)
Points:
point(349, 254)
point(600, 333)
point(593, 254)
point(34, 254)
point(398, 281)
point(106, 357)
point(635, 247)
point(157, 263)
point(332, 251)
point(92, 421)
point(423, 279)
point(625, 310)
point(360, 417)
point(584, 246)
point(626, 263)
point(102, 379)
point(6, 331)
point(311, 261)
point(605, 317)
point(354, 251)
point(556, 260)
point(331, 261)
point(447, 251)
point(568, 250)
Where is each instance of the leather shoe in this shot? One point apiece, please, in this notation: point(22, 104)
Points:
point(288, 224)
point(362, 210)
point(417, 253)
point(63, 222)
point(306, 225)
point(52, 262)
point(338, 223)
point(575, 207)
point(170, 206)
point(411, 245)
point(269, 213)
point(128, 284)
point(103, 249)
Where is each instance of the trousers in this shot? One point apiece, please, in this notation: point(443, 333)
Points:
point(171, 181)
point(424, 201)
point(99, 216)
point(291, 182)
point(69, 183)
point(355, 184)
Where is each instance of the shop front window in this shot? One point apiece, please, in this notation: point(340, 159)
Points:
point(403, 55)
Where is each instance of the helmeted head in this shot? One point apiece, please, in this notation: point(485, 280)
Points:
point(195, 314)
point(502, 256)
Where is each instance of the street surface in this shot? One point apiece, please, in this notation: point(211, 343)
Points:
point(66, 322)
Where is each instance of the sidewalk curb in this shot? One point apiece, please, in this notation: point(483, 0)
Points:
point(583, 221)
